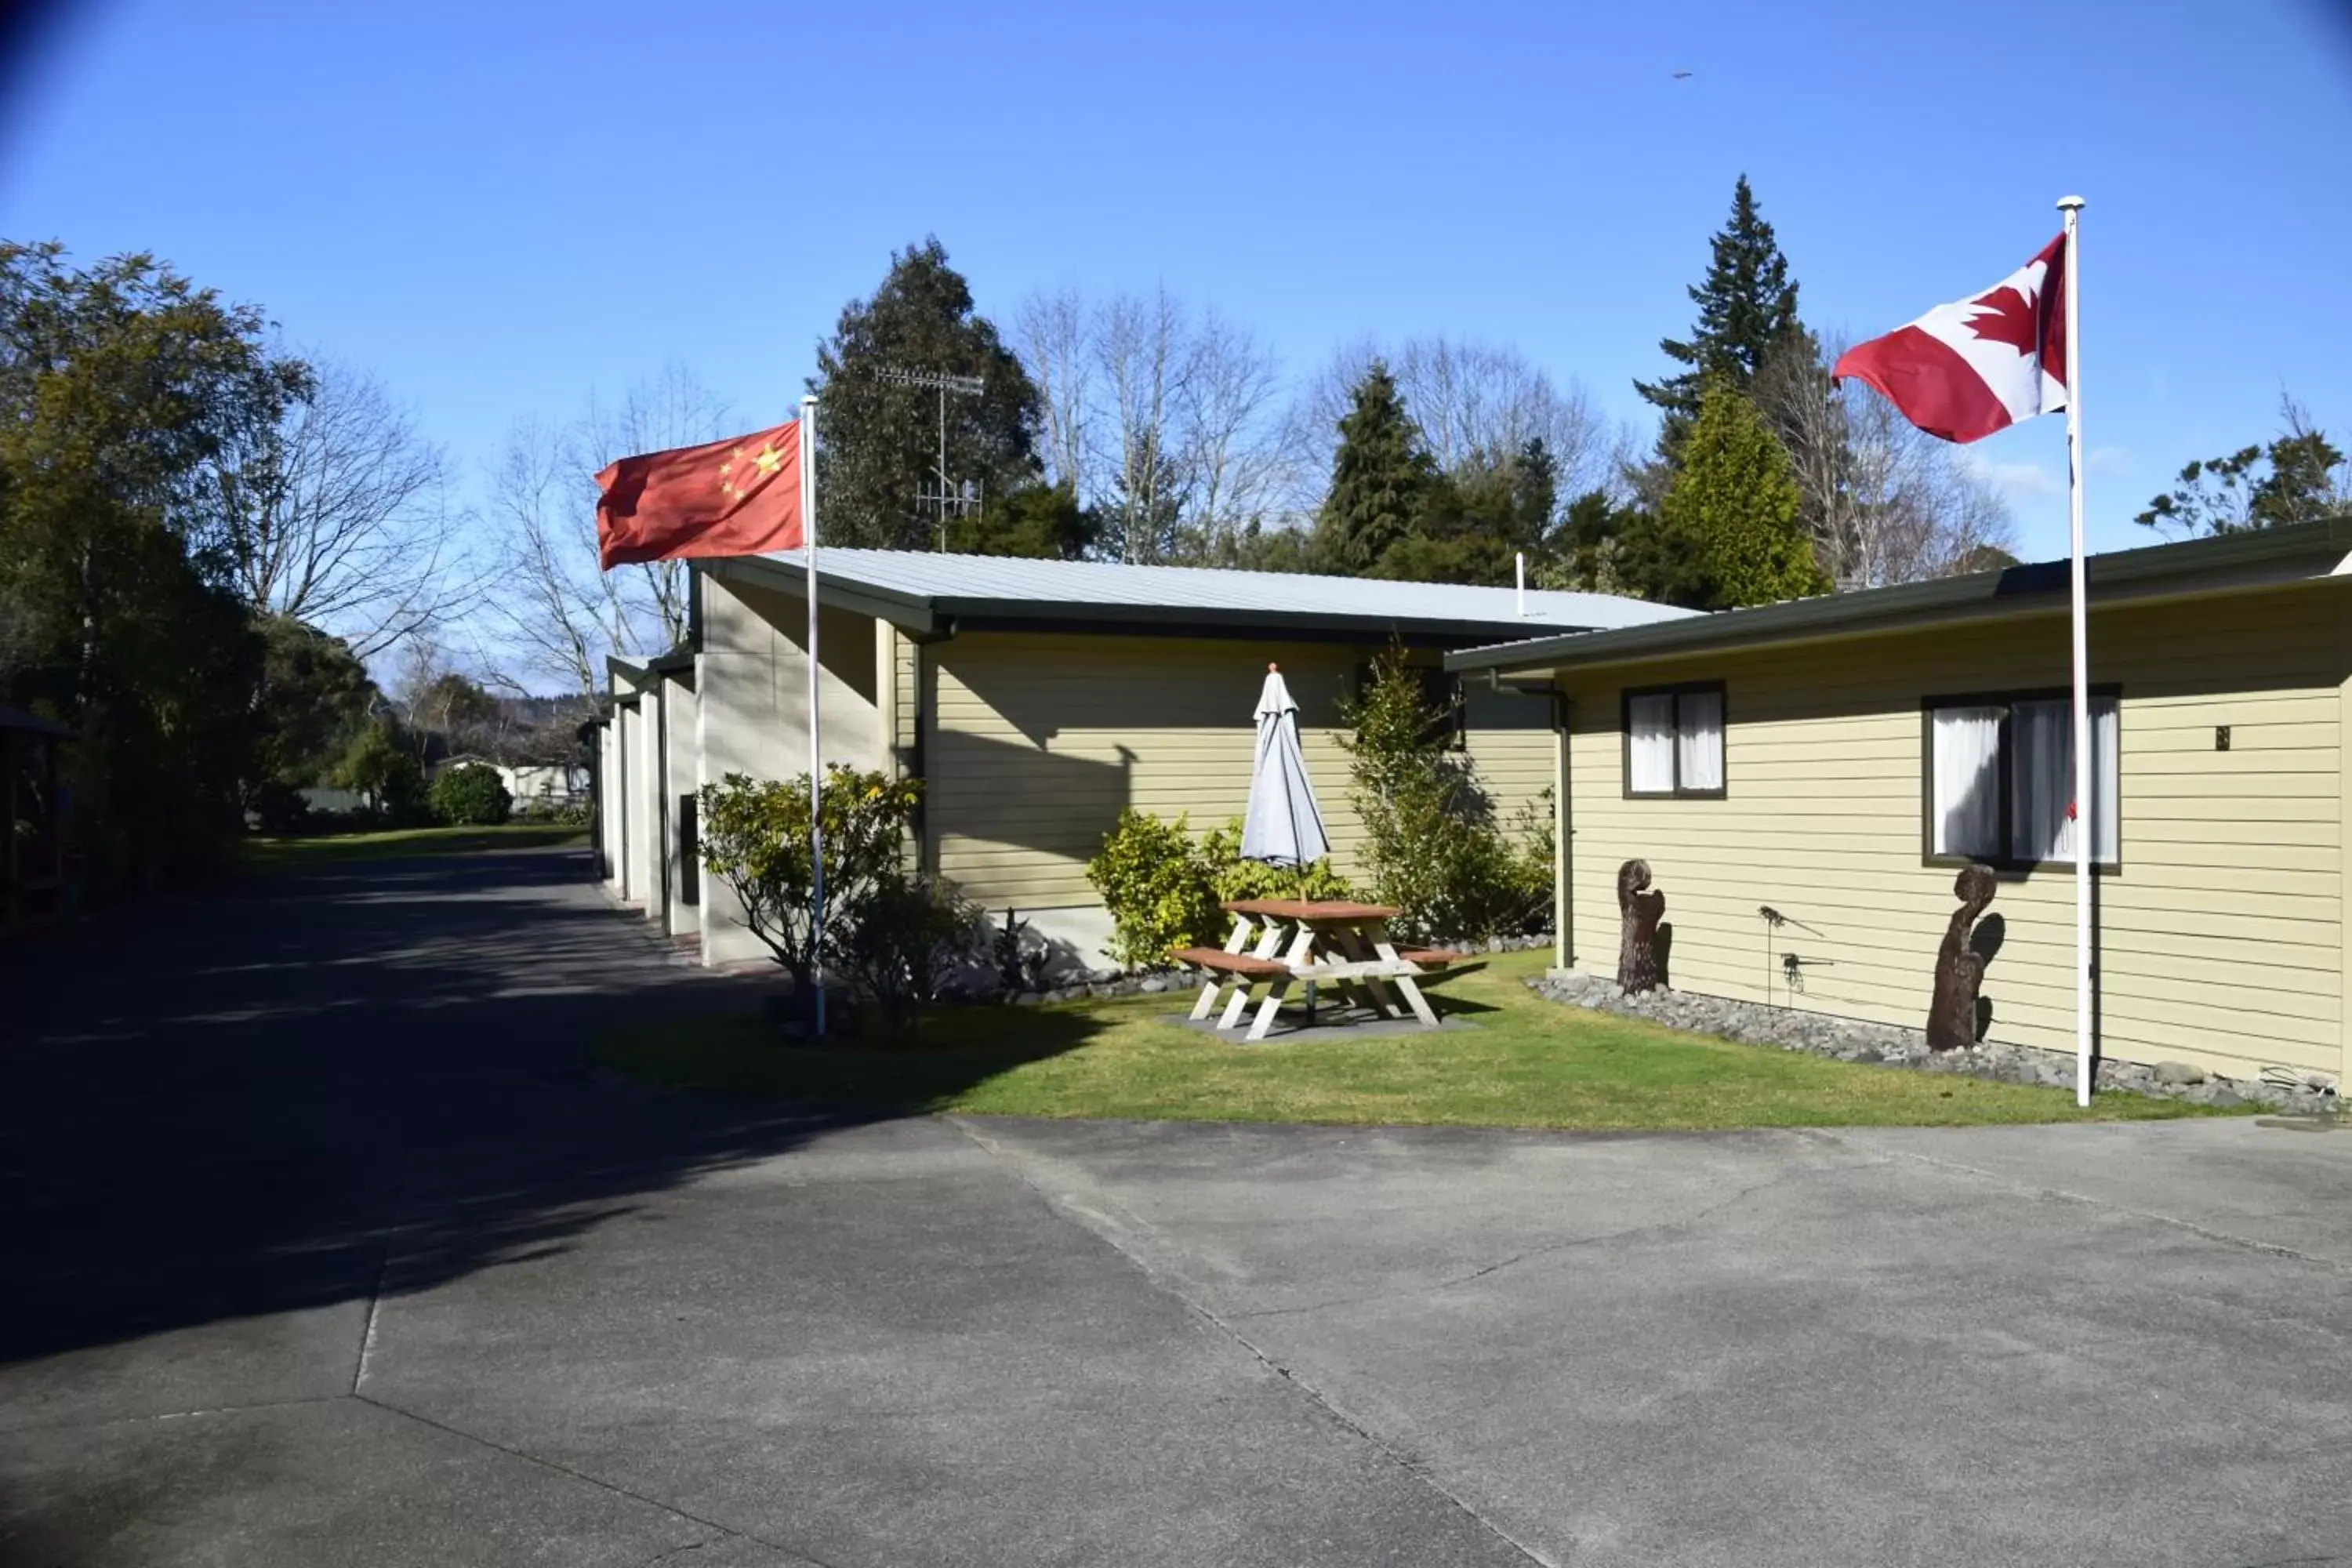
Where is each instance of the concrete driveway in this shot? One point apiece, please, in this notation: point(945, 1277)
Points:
point(321, 1246)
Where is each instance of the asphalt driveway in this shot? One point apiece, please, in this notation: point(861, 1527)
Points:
point(319, 1245)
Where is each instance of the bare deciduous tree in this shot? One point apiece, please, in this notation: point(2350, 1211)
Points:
point(1469, 399)
point(1886, 502)
point(1235, 452)
point(557, 613)
point(342, 519)
point(1053, 332)
point(1165, 420)
point(1140, 344)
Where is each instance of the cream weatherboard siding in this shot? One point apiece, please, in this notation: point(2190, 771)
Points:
point(682, 766)
point(751, 712)
point(2222, 940)
point(1032, 742)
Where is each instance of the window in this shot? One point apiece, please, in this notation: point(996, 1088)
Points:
point(1673, 741)
point(2001, 779)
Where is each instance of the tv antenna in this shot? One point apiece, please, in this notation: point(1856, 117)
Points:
point(949, 497)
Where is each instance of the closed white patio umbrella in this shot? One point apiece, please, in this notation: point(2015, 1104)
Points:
point(1285, 827)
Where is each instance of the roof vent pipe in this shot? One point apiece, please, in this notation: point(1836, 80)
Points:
point(1522, 559)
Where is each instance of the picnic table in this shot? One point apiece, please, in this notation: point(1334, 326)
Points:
point(1279, 942)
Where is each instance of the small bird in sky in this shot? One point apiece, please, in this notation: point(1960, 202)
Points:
point(1682, 75)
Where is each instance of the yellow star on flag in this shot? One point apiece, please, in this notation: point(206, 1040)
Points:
point(767, 460)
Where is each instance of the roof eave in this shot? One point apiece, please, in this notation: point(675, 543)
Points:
point(912, 612)
point(2268, 557)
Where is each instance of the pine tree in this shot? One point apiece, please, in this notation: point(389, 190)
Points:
point(1535, 494)
point(1747, 307)
point(1734, 509)
point(1381, 480)
point(878, 439)
point(1042, 521)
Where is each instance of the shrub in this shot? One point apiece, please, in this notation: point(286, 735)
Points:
point(902, 939)
point(896, 936)
point(1163, 888)
point(1432, 843)
point(1230, 876)
point(278, 807)
point(470, 795)
point(378, 766)
point(1154, 884)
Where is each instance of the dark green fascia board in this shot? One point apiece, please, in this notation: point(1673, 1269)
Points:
point(2256, 558)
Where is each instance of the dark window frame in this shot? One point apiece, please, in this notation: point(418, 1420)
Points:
point(2007, 700)
point(1625, 698)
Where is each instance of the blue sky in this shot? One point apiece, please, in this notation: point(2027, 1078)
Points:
point(497, 206)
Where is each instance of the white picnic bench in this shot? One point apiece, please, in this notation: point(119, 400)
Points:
point(1278, 942)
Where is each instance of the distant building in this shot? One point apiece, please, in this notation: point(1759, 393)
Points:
point(542, 785)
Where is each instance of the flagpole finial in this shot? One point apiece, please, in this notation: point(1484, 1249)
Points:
point(2070, 204)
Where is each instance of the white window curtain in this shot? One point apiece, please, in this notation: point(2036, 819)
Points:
point(1967, 781)
point(1652, 744)
point(2042, 776)
point(1698, 740)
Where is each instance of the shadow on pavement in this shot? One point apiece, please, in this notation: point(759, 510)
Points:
point(246, 1103)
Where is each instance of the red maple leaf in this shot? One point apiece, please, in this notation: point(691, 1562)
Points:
point(2007, 316)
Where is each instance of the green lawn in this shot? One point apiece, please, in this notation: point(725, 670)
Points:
point(292, 854)
point(1528, 1063)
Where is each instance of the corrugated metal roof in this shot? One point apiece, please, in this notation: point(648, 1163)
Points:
point(974, 584)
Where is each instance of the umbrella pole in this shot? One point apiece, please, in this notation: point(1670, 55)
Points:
point(1310, 985)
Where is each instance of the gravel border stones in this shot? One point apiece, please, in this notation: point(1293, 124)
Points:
point(1846, 1039)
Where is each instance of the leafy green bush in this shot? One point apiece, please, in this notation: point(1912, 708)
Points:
point(384, 770)
point(1153, 883)
point(895, 934)
point(1230, 876)
point(1431, 839)
point(470, 795)
point(277, 807)
point(1163, 888)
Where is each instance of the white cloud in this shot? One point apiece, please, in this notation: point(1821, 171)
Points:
point(2107, 461)
point(2018, 481)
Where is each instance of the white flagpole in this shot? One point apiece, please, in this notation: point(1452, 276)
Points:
point(2073, 208)
point(817, 765)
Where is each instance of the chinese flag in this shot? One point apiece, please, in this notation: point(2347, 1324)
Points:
point(737, 497)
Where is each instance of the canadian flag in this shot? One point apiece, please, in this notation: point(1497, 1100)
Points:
point(1966, 370)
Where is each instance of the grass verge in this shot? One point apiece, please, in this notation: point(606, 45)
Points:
point(1528, 1063)
point(265, 853)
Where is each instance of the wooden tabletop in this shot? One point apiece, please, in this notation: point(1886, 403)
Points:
point(1311, 910)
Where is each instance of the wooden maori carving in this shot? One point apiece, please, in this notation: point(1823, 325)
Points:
point(1959, 968)
point(1639, 910)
